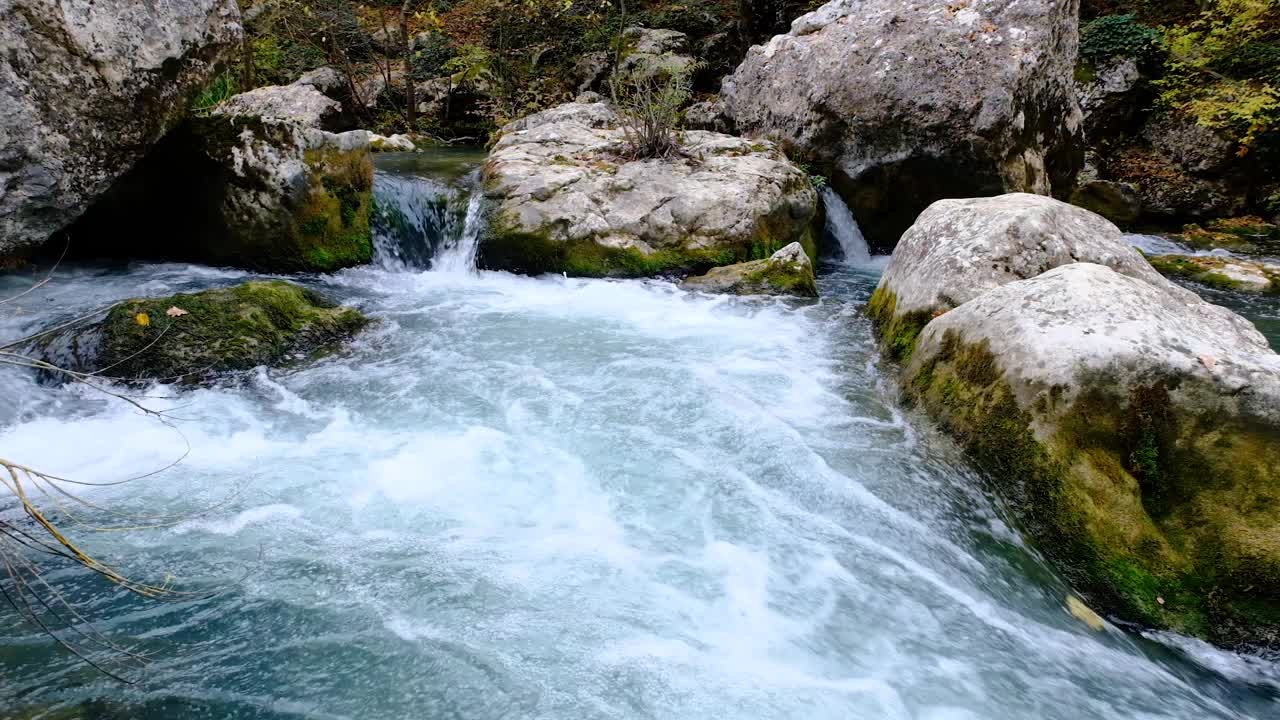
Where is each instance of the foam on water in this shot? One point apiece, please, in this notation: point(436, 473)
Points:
point(562, 498)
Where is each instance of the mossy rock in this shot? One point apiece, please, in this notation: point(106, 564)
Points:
point(508, 247)
point(1221, 272)
point(1155, 489)
point(194, 337)
point(787, 272)
point(1248, 234)
point(301, 205)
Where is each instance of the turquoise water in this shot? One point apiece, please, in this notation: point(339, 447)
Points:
point(556, 498)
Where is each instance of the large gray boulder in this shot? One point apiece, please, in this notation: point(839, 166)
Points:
point(86, 89)
point(563, 197)
point(1133, 434)
point(909, 101)
point(960, 249)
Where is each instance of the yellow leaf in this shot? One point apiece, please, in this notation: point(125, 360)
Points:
point(1084, 614)
point(175, 311)
point(142, 319)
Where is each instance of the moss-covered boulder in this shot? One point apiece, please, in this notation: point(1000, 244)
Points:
point(194, 337)
point(292, 198)
point(1220, 271)
point(787, 272)
point(959, 249)
point(562, 197)
point(1134, 436)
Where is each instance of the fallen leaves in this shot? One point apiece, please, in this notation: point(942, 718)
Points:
point(176, 311)
point(1208, 361)
point(142, 319)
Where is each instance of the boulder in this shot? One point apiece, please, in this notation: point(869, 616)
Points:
point(300, 104)
point(86, 90)
point(1110, 96)
point(1222, 271)
point(195, 337)
point(562, 197)
point(786, 272)
point(905, 102)
point(286, 197)
point(960, 249)
point(1134, 437)
point(1168, 191)
point(590, 71)
point(242, 190)
point(1119, 202)
point(707, 115)
point(647, 52)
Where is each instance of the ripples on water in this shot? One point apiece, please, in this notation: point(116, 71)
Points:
point(550, 498)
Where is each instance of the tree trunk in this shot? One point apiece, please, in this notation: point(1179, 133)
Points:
point(411, 111)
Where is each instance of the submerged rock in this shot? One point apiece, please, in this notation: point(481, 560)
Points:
point(86, 90)
point(959, 249)
point(1134, 435)
point(1222, 271)
point(787, 272)
point(562, 198)
point(909, 102)
point(194, 337)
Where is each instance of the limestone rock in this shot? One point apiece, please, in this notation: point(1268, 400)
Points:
point(304, 105)
point(960, 249)
point(787, 272)
point(707, 115)
point(195, 337)
point(1134, 435)
point(86, 90)
point(562, 198)
point(908, 101)
point(1110, 97)
point(648, 52)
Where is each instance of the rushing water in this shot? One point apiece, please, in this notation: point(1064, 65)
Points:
point(844, 229)
point(556, 498)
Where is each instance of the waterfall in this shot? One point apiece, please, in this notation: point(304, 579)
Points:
point(844, 229)
point(458, 252)
point(427, 211)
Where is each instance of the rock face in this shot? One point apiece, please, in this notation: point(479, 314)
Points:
point(1134, 435)
point(651, 51)
point(787, 272)
point(87, 89)
point(1109, 97)
point(909, 101)
point(1222, 271)
point(1118, 202)
point(562, 199)
point(303, 105)
point(243, 190)
point(194, 337)
point(960, 249)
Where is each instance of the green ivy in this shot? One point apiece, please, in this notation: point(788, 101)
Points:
point(1118, 36)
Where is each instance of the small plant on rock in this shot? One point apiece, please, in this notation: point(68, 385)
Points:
point(650, 104)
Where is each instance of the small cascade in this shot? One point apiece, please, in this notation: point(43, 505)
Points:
point(842, 226)
point(457, 254)
point(426, 210)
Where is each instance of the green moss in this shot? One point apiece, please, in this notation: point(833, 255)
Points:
point(1207, 271)
point(897, 333)
point(507, 247)
point(331, 228)
point(232, 328)
point(1162, 516)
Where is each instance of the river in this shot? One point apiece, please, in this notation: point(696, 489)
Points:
point(561, 498)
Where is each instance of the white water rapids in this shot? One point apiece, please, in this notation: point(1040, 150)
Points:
point(556, 498)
